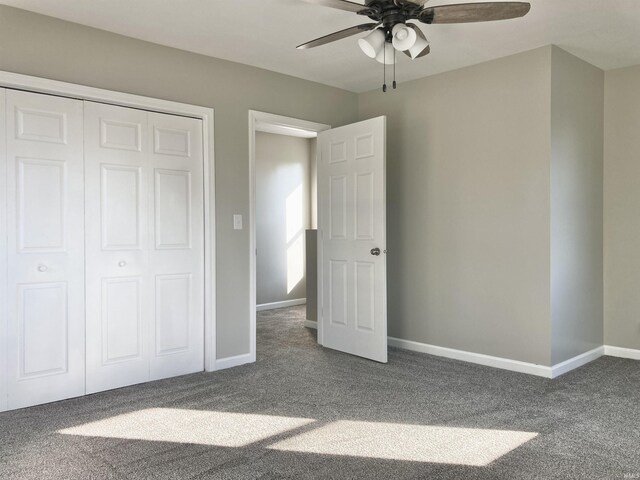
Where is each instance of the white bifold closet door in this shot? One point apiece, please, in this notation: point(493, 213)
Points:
point(45, 249)
point(144, 246)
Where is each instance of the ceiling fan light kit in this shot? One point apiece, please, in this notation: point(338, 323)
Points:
point(392, 33)
point(404, 37)
point(420, 47)
point(386, 55)
point(372, 44)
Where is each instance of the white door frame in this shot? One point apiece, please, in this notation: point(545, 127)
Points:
point(63, 89)
point(281, 123)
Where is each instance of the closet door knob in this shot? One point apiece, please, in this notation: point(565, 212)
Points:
point(42, 268)
point(122, 263)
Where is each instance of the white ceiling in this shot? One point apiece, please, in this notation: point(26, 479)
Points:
point(263, 33)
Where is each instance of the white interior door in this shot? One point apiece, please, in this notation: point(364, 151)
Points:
point(145, 252)
point(117, 167)
point(45, 216)
point(352, 207)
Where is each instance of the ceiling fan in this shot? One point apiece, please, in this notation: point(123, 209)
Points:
point(390, 31)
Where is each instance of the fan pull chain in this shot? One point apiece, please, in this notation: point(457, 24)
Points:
point(394, 68)
point(384, 67)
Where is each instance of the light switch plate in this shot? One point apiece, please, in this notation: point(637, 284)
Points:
point(237, 222)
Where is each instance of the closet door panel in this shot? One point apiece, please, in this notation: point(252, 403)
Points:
point(43, 320)
point(117, 243)
point(3, 254)
point(177, 251)
point(45, 221)
point(121, 203)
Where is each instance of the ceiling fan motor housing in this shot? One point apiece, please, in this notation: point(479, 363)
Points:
point(390, 12)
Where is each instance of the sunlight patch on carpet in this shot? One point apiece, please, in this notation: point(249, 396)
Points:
point(222, 429)
point(416, 443)
point(388, 441)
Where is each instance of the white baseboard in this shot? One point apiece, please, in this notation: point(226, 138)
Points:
point(286, 303)
point(235, 361)
point(577, 361)
point(478, 358)
point(622, 352)
point(499, 362)
point(311, 324)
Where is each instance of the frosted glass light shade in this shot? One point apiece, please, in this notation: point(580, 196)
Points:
point(418, 47)
point(404, 37)
point(386, 55)
point(372, 44)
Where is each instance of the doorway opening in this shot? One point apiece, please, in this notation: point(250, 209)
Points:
point(283, 216)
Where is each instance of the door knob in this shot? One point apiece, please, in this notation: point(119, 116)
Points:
point(122, 263)
point(375, 251)
point(42, 268)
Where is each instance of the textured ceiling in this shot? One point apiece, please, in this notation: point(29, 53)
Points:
point(264, 33)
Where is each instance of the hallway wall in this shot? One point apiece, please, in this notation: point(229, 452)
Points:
point(283, 212)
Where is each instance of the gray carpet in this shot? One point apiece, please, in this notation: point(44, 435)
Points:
point(306, 412)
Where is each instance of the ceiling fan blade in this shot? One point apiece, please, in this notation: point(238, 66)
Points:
point(332, 37)
point(474, 12)
point(339, 4)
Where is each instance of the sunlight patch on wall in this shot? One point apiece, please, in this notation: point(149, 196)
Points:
point(416, 443)
point(295, 213)
point(222, 429)
point(295, 239)
point(295, 263)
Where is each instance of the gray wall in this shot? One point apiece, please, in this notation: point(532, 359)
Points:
point(283, 213)
point(468, 190)
point(495, 207)
point(577, 117)
point(622, 208)
point(42, 46)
